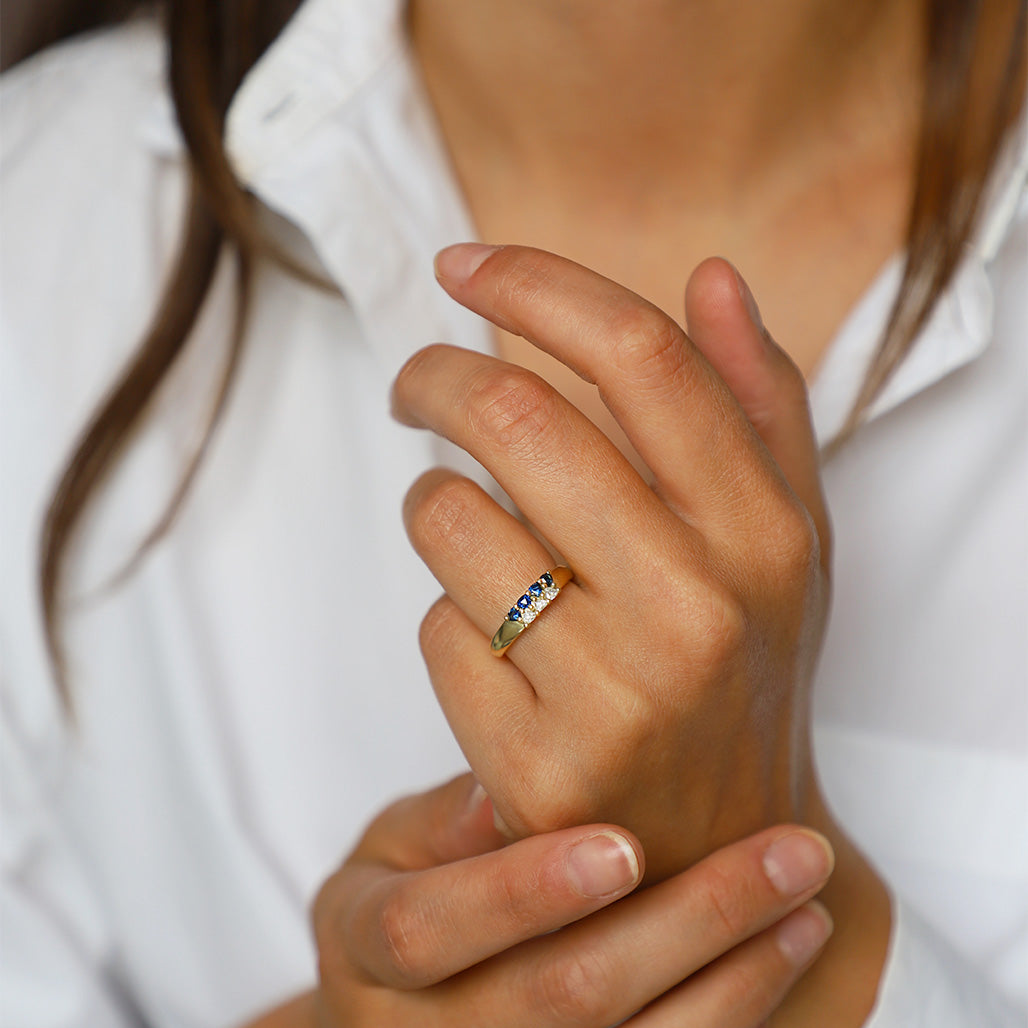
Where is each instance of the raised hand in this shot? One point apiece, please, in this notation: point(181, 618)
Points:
point(666, 688)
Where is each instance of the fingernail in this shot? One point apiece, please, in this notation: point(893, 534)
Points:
point(804, 932)
point(602, 865)
point(748, 301)
point(476, 798)
point(798, 861)
point(458, 263)
point(501, 826)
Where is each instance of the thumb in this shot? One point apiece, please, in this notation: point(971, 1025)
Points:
point(724, 323)
point(448, 823)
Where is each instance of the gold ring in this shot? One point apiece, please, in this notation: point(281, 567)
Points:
point(539, 595)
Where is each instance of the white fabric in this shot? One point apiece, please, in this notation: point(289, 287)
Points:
point(254, 692)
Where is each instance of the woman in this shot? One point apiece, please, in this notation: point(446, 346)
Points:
point(662, 702)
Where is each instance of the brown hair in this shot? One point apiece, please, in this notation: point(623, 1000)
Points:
point(213, 45)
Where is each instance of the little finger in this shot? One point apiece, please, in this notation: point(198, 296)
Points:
point(486, 560)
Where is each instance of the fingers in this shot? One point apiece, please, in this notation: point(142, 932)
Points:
point(485, 559)
point(476, 941)
point(606, 968)
point(677, 413)
point(482, 556)
point(489, 704)
point(446, 823)
point(511, 732)
point(409, 931)
point(725, 324)
point(565, 476)
point(746, 985)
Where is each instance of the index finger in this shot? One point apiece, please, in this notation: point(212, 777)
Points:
point(411, 930)
point(676, 411)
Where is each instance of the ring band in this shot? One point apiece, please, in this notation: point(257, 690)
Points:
point(539, 595)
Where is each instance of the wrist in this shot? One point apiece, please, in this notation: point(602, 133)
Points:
point(842, 985)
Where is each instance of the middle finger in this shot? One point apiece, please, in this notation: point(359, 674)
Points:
point(563, 473)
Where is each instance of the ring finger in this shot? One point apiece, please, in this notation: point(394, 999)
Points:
point(484, 558)
point(562, 472)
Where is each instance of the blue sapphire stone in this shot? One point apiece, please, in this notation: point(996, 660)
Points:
point(525, 602)
point(546, 578)
point(535, 589)
point(514, 614)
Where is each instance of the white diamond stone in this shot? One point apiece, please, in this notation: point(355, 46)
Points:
point(540, 602)
point(550, 592)
point(528, 615)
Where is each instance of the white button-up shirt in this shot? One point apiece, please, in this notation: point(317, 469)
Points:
point(254, 692)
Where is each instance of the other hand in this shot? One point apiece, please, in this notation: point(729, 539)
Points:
point(430, 923)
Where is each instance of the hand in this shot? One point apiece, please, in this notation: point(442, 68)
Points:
point(666, 689)
point(428, 923)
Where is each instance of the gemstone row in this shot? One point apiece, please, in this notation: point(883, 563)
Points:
point(538, 596)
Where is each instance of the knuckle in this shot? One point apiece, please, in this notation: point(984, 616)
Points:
point(408, 374)
point(727, 902)
point(758, 977)
point(792, 542)
point(516, 898)
point(513, 409)
point(436, 634)
point(575, 988)
point(649, 345)
point(521, 275)
point(325, 921)
point(407, 940)
point(722, 627)
point(444, 512)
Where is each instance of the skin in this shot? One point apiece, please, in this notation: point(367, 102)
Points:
point(710, 586)
point(621, 136)
point(434, 921)
point(428, 922)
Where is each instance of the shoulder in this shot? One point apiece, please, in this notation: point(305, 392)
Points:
point(90, 208)
point(74, 143)
point(85, 84)
point(91, 215)
point(75, 122)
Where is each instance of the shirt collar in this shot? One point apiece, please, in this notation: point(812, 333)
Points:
point(328, 52)
point(319, 61)
point(961, 324)
point(332, 131)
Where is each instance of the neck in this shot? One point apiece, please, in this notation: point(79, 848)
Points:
point(709, 94)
